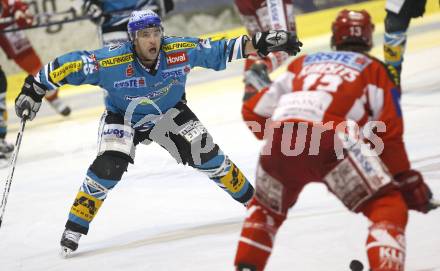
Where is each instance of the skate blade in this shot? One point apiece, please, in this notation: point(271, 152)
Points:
point(65, 252)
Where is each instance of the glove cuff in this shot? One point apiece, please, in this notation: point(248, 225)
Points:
point(256, 36)
point(34, 89)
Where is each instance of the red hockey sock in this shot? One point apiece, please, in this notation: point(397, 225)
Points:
point(257, 236)
point(386, 238)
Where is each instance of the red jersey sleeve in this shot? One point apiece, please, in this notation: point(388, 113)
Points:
point(258, 110)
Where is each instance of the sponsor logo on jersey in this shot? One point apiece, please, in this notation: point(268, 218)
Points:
point(129, 71)
point(205, 43)
point(67, 68)
point(116, 60)
point(274, 7)
point(148, 98)
point(353, 60)
point(176, 72)
point(176, 58)
point(114, 46)
point(90, 64)
point(178, 46)
point(136, 82)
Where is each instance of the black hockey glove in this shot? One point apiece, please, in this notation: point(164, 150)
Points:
point(93, 8)
point(30, 98)
point(276, 40)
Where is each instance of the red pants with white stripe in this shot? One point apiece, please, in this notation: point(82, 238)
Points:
point(287, 176)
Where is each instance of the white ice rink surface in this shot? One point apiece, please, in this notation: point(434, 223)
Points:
point(163, 216)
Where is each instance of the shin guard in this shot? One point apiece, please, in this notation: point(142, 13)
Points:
point(386, 238)
point(228, 177)
point(257, 237)
point(386, 247)
point(394, 49)
point(87, 202)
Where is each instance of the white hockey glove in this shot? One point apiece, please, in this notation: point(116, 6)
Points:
point(30, 98)
point(276, 40)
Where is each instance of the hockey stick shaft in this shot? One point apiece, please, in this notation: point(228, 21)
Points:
point(47, 16)
point(12, 165)
point(435, 202)
point(40, 16)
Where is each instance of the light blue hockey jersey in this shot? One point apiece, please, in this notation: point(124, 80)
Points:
point(118, 70)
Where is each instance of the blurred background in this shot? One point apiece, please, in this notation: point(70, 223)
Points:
point(189, 18)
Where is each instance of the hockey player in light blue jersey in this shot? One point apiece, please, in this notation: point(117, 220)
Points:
point(145, 81)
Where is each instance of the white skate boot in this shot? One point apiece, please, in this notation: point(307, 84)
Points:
point(69, 242)
point(59, 106)
point(6, 150)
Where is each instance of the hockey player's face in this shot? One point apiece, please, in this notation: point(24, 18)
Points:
point(147, 43)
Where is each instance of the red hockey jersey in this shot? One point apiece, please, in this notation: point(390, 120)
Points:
point(335, 87)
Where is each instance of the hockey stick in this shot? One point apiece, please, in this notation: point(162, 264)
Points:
point(40, 16)
point(435, 203)
point(63, 21)
point(48, 16)
point(12, 165)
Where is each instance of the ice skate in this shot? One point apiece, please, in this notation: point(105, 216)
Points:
point(6, 150)
point(60, 107)
point(69, 242)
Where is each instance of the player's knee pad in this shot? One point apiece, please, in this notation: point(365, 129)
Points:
point(110, 165)
point(116, 137)
point(386, 247)
point(229, 177)
point(358, 177)
point(396, 23)
point(257, 235)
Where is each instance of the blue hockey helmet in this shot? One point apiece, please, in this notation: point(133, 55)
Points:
point(141, 19)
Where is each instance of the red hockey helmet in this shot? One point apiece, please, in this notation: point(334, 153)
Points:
point(353, 29)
